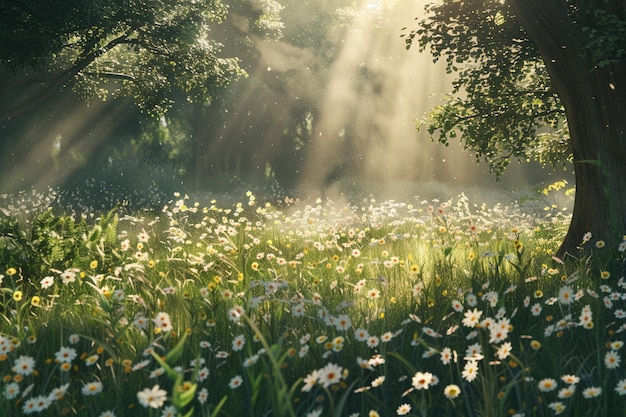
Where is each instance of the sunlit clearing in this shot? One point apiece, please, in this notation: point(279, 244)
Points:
point(376, 91)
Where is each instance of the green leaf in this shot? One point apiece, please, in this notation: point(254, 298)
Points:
point(180, 398)
point(177, 350)
point(171, 373)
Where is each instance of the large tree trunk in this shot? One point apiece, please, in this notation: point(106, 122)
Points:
point(595, 104)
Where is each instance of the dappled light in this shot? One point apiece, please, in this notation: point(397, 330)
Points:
point(52, 150)
point(322, 113)
point(307, 208)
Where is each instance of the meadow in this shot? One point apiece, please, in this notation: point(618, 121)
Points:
point(416, 308)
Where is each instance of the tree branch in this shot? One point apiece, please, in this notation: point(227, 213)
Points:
point(111, 75)
point(60, 80)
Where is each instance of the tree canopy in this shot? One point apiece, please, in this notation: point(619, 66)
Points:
point(503, 104)
point(542, 79)
point(145, 50)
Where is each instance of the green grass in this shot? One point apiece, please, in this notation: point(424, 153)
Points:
point(305, 310)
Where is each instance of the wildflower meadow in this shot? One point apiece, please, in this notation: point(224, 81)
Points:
point(416, 308)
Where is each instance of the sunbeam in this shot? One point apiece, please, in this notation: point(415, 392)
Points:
point(376, 91)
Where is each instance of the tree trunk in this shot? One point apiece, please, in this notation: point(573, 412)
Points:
point(595, 104)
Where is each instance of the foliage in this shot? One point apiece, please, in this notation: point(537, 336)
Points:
point(390, 308)
point(504, 104)
point(148, 51)
point(604, 34)
point(46, 241)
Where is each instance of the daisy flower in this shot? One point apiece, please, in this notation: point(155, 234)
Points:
point(68, 277)
point(343, 322)
point(157, 372)
point(446, 355)
point(403, 410)
point(142, 364)
point(11, 390)
point(422, 380)
point(92, 359)
point(47, 282)
point(558, 407)
point(304, 349)
point(592, 392)
point(373, 294)
point(250, 361)
point(378, 381)
point(92, 388)
point(24, 365)
point(234, 314)
point(470, 370)
point(474, 351)
point(239, 342)
point(471, 299)
point(329, 374)
point(163, 321)
point(152, 397)
point(364, 363)
point(570, 379)
point(566, 295)
point(452, 391)
point(499, 332)
point(36, 404)
point(504, 350)
point(203, 396)
point(143, 237)
point(377, 360)
point(169, 411)
point(386, 337)
point(373, 341)
point(310, 381)
point(203, 374)
point(361, 335)
point(547, 385)
point(65, 354)
point(471, 317)
point(297, 310)
point(430, 332)
point(418, 288)
point(235, 382)
point(536, 309)
point(567, 392)
point(612, 359)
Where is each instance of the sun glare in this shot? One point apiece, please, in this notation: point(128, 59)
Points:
point(375, 92)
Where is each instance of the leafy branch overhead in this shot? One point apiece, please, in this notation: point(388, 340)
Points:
point(145, 50)
point(503, 104)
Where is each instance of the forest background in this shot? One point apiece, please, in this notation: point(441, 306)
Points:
point(320, 99)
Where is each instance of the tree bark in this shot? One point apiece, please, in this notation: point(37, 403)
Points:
point(595, 103)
